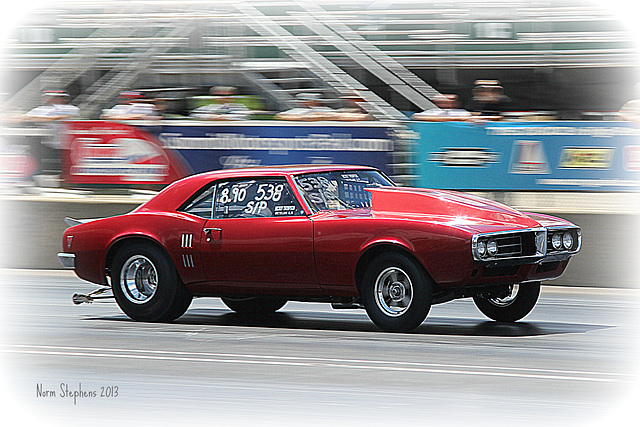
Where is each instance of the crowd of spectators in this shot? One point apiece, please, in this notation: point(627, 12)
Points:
point(447, 110)
point(223, 107)
point(224, 103)
point(131, 106)
point(488, 103)
point(311, 108)
point(55, 107)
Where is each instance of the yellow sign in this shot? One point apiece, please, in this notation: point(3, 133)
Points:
point(586, 157)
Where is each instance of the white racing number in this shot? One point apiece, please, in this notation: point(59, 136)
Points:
point(253, 198)
point(238, 194)
point(266, 192)
point(269, 191)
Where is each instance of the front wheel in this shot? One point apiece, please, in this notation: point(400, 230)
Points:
point(515, 304)
point(254, 305)
point(146, 285)
point(396, 293)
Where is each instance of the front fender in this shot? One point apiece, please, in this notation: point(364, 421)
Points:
point(395, 241)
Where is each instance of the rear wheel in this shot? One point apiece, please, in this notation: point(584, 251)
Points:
point(516, 303)
point(396, 293)
point(254, 305)
point(146, 285)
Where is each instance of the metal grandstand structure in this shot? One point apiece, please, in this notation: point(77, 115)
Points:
point(396, 55)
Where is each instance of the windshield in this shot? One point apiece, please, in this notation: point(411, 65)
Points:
point(340, 190)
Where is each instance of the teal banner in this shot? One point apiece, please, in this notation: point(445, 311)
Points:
point(587, 156)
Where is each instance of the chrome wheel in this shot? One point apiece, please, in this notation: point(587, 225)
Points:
point(138, 279)
point(393, 291)
point(146, 284)
point(513, 304)
point(396, 292)
point(506, 300)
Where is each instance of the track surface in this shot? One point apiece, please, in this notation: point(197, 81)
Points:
point(572, 361)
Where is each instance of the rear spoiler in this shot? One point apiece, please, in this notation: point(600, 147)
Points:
point(72, 221)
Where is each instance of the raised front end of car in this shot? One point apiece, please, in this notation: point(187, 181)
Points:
point(474, 247)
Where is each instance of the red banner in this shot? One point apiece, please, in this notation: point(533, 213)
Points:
point(101, 152)
point(16, 163)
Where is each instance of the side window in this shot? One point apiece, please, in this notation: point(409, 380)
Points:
point(202, 205)
point(263, 197)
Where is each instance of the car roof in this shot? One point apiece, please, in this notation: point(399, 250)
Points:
point(272, 171)
point(278, 170)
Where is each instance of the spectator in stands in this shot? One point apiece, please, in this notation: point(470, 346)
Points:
point(162, 106)
point(630, 111)
point(352, 112)
point(310, 109)
point(56, 107)
point(224, 106)
point(489, 100)
point(131, 106)
point(448, 111)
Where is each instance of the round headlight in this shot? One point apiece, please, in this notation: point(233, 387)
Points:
point(556, 241)
point(482, 249)
point(567, 240)
point(492, 247)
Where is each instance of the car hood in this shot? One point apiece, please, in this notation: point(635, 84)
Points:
point(458, 209)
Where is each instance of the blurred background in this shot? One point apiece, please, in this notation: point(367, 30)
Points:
point(534, 103)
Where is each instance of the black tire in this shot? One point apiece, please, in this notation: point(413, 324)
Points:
point(254, 305)
point(396, 293)
point(511, 308)
point(154, 291)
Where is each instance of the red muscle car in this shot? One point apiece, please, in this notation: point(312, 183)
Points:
point(346, 235)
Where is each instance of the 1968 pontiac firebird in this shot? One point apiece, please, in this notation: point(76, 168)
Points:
point(346, 235)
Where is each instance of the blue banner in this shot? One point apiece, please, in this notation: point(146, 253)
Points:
point(587, 156)
point(208, 147)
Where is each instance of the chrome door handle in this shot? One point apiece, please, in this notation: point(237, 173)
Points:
point(208, 231)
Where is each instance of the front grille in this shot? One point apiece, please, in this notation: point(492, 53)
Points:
point(532, 242)
point(513, 244)
point(509, 246)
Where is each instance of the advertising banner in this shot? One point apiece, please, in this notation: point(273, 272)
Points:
point(588, 156)
point(16, 163)
point(102, 152)
point(239, 144)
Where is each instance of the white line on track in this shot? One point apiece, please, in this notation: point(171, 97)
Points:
point(378, 365)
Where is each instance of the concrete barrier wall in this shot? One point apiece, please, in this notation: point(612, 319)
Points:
point(33, 228)
point(33, 231)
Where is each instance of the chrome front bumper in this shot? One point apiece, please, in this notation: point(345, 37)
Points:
point(67, 260)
